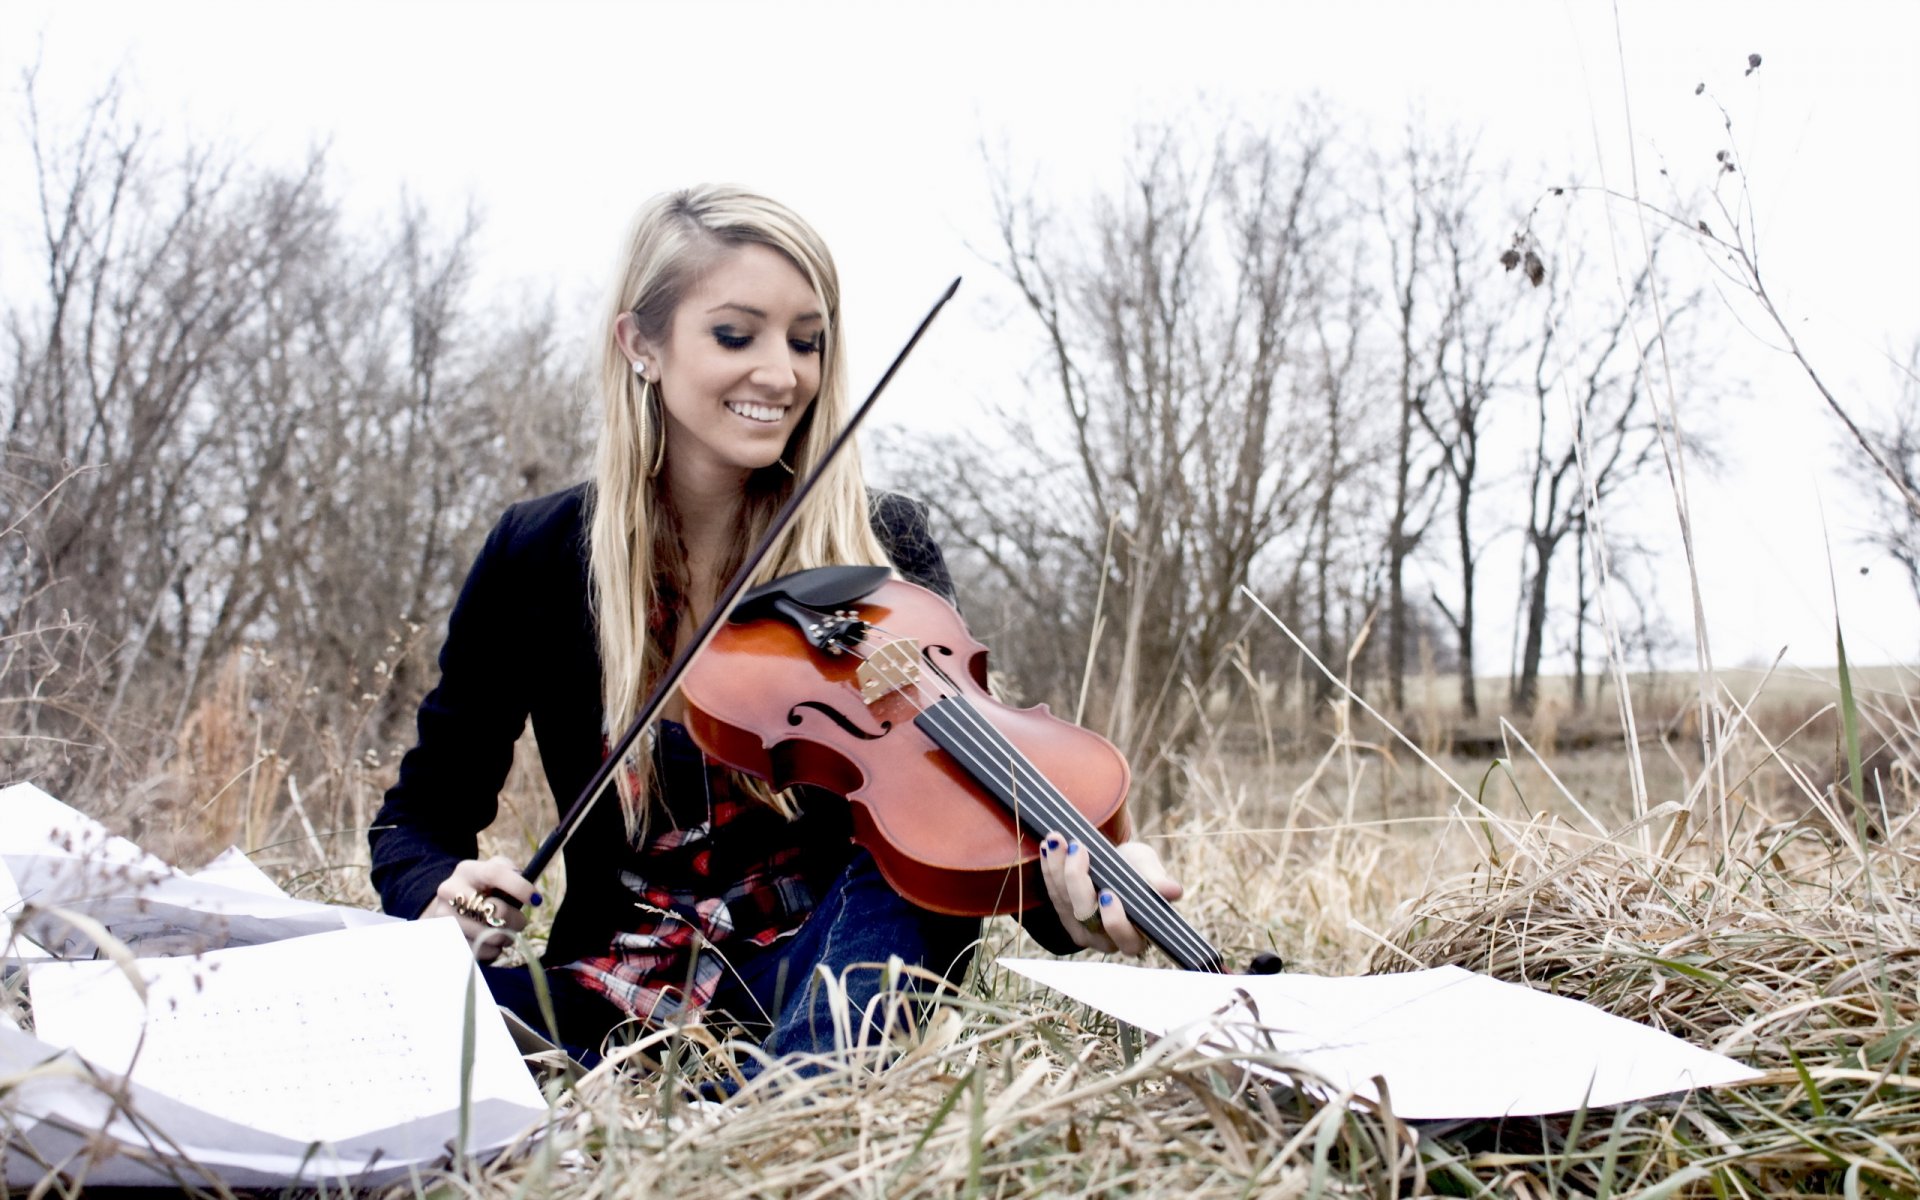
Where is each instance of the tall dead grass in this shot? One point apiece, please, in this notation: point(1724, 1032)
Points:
point(1800, 954)
point(1793, 945)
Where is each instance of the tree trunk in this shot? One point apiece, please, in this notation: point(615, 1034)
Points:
point(1527, 690)
point(1397, 540)
point(1469, 697)
point(1580, 617)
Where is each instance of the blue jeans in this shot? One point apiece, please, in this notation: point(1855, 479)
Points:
point(774, 993)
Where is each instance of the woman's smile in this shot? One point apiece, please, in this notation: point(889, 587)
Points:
point(759, 414)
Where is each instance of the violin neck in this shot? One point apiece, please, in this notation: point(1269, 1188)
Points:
point(1010, 777)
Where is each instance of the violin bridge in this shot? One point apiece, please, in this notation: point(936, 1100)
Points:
point(893, 666)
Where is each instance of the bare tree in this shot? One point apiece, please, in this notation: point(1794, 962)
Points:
point(151, 273)
point(229, 423)
point(1595, 427)
point(1170, 349)
point(1897, 442)
point(1404, 212)
point(1348, 448)
point(1476, 343)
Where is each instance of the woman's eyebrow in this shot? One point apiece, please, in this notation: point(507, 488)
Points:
point(760, 313)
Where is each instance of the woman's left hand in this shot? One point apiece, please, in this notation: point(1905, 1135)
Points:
point(1096, 919)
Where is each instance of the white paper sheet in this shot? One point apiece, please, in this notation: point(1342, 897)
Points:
point(327, 1051)
point(233, 869)
point(320, 1038)
point(58, 1114)
point(1448, 1042)
point(32, 822)
point(34, 829)
point(54, 856)
point(15, 946)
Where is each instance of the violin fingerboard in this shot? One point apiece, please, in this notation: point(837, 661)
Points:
point(999, 768)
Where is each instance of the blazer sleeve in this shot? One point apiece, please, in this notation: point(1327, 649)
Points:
point(449, 783)
point(902, 526)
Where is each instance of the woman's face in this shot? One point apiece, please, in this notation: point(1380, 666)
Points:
point(739, 367)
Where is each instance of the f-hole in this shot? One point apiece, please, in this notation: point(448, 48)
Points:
point(940, 657)
point(795, 717)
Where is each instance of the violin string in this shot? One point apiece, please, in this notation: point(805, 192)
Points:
point(989, 749)
point(1056, 809)
point(1144, 904)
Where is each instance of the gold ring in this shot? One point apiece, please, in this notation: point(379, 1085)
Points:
point(1094, 923)
point(469, 904)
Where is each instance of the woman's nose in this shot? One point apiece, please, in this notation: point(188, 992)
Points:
point(777, 372)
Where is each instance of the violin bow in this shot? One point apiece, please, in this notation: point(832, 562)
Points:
point(722, 608)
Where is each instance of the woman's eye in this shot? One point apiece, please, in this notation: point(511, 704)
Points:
point(725, 335)
point(811, 345)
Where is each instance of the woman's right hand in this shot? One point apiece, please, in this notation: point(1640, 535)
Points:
point(465, 895)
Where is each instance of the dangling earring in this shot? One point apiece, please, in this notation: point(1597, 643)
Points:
point(651, 399)
point(657, 418)
point(784, 465)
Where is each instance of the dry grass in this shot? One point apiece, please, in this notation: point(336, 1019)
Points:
point(1800, 955)
point(1799, 952)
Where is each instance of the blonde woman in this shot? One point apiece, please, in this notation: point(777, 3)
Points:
point(721, 382)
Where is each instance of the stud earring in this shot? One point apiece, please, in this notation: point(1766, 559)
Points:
point(640, 369)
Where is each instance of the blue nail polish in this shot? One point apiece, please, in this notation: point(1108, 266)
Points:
point(1073, 847)
point(536, 899)
point(1053, 843)
point(1106, 898)
point(1043, 848)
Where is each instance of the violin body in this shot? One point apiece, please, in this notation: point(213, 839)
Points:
point(766, 700)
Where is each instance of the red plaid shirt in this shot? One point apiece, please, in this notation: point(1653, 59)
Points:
point(720, 875)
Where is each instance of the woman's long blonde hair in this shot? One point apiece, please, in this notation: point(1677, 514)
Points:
point(634, 543)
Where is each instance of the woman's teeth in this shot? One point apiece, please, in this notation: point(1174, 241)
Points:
point(766, 413)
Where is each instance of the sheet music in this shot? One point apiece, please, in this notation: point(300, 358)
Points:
point(1450, 1043)
point(325, 1050)
point(32, 822)
point(56, 857)
point(323, 1037)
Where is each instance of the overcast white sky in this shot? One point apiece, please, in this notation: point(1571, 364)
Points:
point(555, 120)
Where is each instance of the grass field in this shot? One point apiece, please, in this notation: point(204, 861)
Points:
point(1792, 947)
point(1789, 939)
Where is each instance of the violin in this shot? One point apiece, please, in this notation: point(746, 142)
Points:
point(848, 679)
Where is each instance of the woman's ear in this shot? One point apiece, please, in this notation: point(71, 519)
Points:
point(626, 334)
